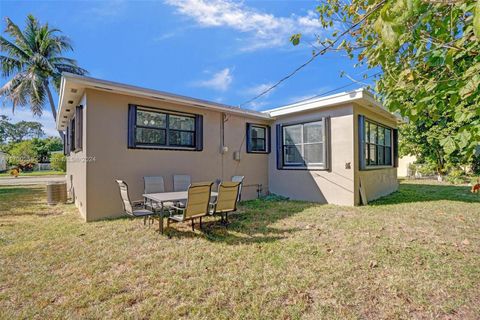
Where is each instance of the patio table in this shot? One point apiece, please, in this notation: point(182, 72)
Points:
point(163, 197)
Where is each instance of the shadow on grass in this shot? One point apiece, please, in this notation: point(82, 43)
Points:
point(409, 192)
point(251, 224)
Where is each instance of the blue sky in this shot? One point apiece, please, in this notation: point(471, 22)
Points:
point(222, 50)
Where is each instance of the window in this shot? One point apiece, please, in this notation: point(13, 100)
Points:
point(73, 137)
point(303, 145)
point(258, 138)
point(158, 129)
point(378, 144)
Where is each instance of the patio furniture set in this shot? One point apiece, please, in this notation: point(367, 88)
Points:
point(187, 202)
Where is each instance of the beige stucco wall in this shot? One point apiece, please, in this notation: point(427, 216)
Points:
point(77, 168)
point(105, 131)
point(107, 124)
point(377, 182)
point(333, 186)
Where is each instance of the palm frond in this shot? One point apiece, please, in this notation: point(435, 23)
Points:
point(12, 49)
point(37, 95)
point(14, 31)
point(10, 65)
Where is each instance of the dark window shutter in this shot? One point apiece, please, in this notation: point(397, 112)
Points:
point(132, 120)
point(328, 146)
point(279, 146)
point(67, 141)
point(269, 139)
point(72, 135)
point(395, 148)
point(249, 142)
point(78, 128)
point(199, 133)
point(361, 142)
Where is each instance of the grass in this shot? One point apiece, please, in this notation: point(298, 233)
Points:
point(32, 173)
point(413, 254)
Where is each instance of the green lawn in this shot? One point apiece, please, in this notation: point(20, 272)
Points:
point(32, 174)
point(414, 254)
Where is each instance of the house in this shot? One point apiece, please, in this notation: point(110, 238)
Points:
point(3, 161)
point(339, 149)
point(404, 163)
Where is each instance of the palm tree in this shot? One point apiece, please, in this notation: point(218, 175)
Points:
point(34, 60)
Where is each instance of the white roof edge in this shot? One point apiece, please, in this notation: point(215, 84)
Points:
point(314, 101)
point(357, 95)
point(144, 92)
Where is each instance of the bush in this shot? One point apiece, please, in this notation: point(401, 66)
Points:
point(58, 162)
point(23, 156)
point(457, 176)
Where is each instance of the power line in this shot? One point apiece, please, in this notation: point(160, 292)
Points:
point(313, 56)
point(331, 91)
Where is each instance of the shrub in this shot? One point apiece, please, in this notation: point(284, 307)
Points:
point(58, 162)
point(23, 156)
point(456, 176)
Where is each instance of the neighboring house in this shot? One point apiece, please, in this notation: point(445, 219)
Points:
point(3, 161)
point(320, 150)
point(403, 164)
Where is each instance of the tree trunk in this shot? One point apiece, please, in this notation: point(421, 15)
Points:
point(52, 106)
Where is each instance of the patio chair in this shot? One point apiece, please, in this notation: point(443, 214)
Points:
point(239, 179)
point(227, 199)
point(154, 184)
point(181, 182)
point(134, 209)
point(197, 205)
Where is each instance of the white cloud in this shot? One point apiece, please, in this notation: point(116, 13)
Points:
point(264, 30)
point(108, 9)
point(219, 81)
point(256, 90)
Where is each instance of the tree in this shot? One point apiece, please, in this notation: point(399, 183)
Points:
point(59, 162)
point(429, 55)
point(24, 130)
point(45, 147)
point(4, 129)
point(16, 132)
point(23, 155)
point(34, 60)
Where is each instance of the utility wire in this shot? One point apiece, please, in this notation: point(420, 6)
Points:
point(333, 90)
point(314, 56)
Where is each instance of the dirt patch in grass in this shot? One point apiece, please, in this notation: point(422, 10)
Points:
point(413, 254)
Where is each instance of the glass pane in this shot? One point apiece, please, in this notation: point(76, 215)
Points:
point(181, 123)
point(373, 133)
point(150, 136)
point(314, 153)
point(181, 138)
point(388, 136)
point(380, 157)
point(293, 155)
point(292, 134)
point(258, 132)
point(388, 156)
point(373, 155)
point(381, 135)
point(151, 119)
point(258, 145)
point(313, 132)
